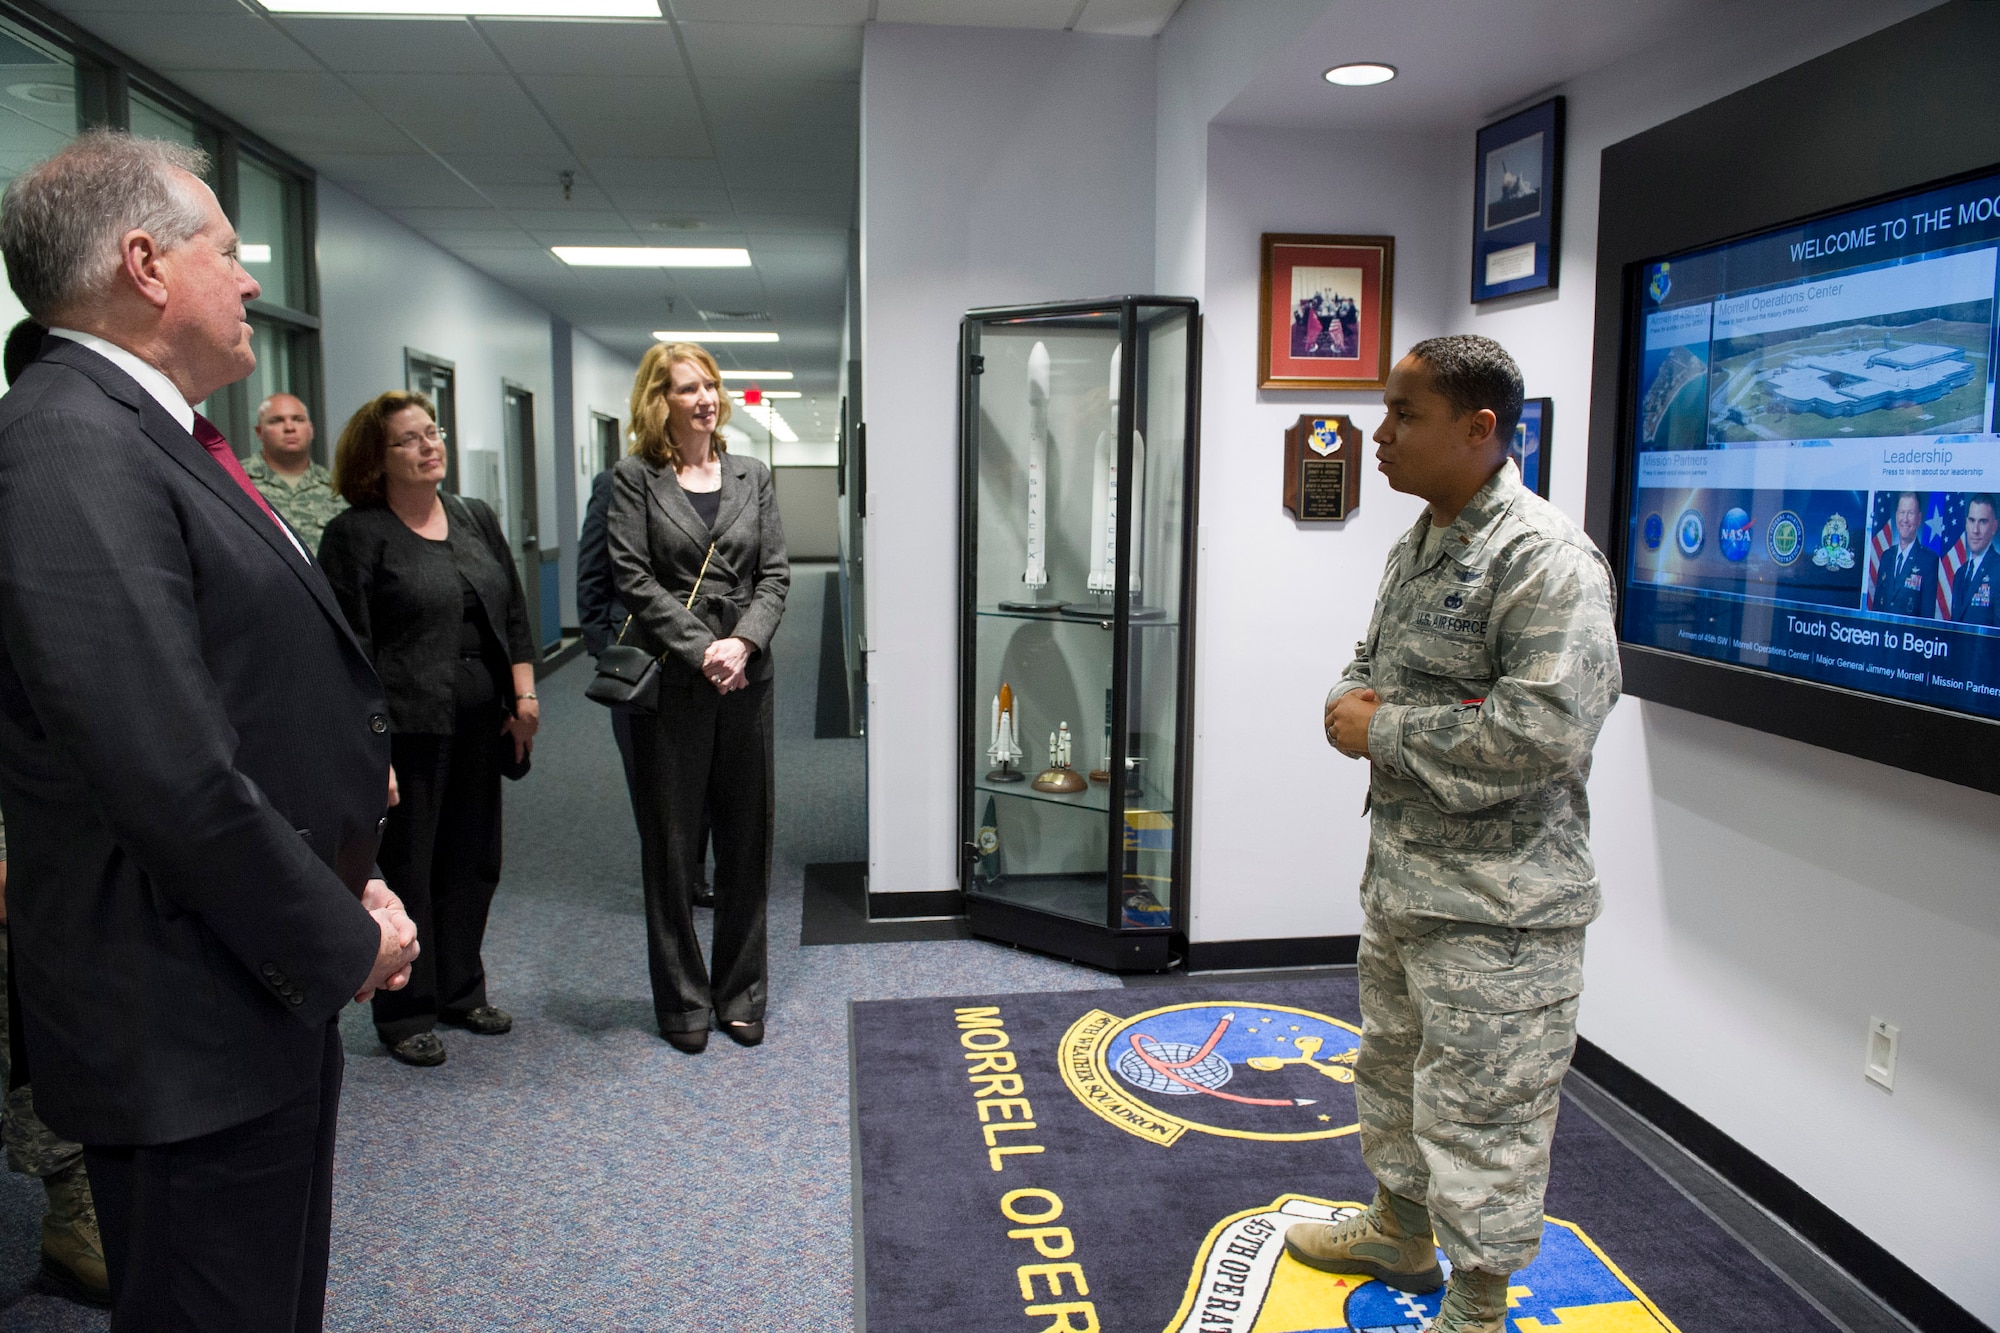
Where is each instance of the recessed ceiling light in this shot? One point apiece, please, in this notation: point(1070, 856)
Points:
point(652, 256)
point(499, 9)
point(772, 393)
point(252, 253)
point(713, 336)
point(757, 374)
point(1360, 74)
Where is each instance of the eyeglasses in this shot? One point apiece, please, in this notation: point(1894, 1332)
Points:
point(418, 439)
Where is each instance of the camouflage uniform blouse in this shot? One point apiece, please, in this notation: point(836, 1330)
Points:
point(308, 503)
point(1496, 663)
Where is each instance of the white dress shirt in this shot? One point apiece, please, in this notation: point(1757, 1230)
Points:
point(161, 388)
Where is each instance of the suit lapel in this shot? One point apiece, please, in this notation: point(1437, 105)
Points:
point(735, 493)
point(673, 502)
point(167, 435)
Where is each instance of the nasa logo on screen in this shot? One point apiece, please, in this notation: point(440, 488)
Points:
point(1785, 539)
point(1735, 538)
point(1689, 533)
point(1655, 530)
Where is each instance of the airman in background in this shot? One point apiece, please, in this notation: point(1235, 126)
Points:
point(283, 470)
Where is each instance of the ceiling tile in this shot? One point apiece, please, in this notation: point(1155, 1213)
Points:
point(772, 12)
point(305, 114)
point(829, 170)
point(239, 40)
point(79, 9)
point(454, 219)
point(485, 169)
point(670, 201)
point(643, 47)
point(783, 101)
point(978, 13)
point(398, 180)
point(1127, 18)
point(736, 139)
point(656, 172)
point(548, 193)
point(753, 50)
point(480, 113)
point(395, 46)
point(611, 116)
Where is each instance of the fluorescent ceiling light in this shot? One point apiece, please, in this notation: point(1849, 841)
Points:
point(652, 256)
point(757, 374)
point(251, 253)
point(772, 420)
point(1360, 74)
point(772, 393)
point(502, 9)
point(713, 336)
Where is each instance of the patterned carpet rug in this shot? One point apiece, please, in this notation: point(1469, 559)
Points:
point(1129, 1160)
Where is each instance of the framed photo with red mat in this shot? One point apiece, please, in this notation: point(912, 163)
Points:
point(1323, 322)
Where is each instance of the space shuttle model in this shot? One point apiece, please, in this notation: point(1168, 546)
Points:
point(1104, 497)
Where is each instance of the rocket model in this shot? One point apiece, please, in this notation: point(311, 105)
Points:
point(1104, 496)
point(1005, 746)
point(1037, 575)
point(1059, 776)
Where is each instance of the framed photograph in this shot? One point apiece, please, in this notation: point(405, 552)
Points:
point(1517, 203)
point(1530, 449)
point(1325, 317)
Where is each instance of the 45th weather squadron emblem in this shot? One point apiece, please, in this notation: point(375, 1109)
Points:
point(1243, 1071)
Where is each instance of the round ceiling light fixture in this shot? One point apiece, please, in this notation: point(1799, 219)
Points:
point(1360, 74)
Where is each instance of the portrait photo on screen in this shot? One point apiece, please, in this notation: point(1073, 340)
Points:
point(1814, 451)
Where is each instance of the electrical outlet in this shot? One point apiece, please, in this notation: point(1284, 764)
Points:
point(1881, 1066)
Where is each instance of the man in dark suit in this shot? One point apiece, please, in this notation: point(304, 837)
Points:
point(1972, 587)
point(1906, 576)
point(193, 755)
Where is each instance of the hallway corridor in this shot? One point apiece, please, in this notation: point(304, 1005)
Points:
point(580, 1173)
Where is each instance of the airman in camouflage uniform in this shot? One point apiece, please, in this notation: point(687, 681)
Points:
point(305, 498)
point(72, 1252)
point(1490, 663)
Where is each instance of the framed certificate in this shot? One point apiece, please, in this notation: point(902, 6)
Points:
point(1324, 323)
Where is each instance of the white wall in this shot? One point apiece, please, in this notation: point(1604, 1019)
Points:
point(1280, 603)
point(384, 288)
point(998, 167)
point(602, 384)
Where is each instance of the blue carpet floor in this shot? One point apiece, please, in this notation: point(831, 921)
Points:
point(579, 1173)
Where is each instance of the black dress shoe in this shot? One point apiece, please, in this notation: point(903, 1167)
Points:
point(744, 1034)
point(704, 895)
point(485, 1020)
point(423, 1050)
point(693, 1043)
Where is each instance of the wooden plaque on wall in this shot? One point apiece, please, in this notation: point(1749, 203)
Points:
point(1323, 469)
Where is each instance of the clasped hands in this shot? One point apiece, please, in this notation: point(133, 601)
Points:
point(1347, 720)
point(724, 663)
point(399, 946)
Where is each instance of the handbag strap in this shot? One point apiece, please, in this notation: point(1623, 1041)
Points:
point(686, 606)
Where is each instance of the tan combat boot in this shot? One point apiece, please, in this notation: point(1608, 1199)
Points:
point(1389, 1241)
point(72, 1252)
point(1475, 1302)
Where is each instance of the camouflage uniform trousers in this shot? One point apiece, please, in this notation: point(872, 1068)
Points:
point(1466, 1033)
point(33, 1149)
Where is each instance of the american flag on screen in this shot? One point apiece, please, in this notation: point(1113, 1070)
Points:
point(1944, 531)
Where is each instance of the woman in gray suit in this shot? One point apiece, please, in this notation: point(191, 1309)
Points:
point(698, 559)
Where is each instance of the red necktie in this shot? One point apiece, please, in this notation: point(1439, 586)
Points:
point(211, 439)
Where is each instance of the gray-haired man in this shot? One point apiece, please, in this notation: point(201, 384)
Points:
point(1489, 666)
point(191, 901)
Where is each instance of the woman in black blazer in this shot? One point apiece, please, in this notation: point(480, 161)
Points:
point(429, 586)
point(698, 559)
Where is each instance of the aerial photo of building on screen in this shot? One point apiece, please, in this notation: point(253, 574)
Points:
point(1863, 379)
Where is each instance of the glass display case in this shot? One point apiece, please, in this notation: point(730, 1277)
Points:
point(1078, 439)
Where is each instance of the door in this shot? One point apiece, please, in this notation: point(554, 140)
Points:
point(609, 446)
point(436, 379)
point(517, 425)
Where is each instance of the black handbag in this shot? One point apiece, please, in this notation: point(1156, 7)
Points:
point(629, 677)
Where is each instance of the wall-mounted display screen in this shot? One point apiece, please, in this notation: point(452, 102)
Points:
point(1814, 459)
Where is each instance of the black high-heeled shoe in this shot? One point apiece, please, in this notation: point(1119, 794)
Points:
point(692, 1043)
point(744, 1034)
